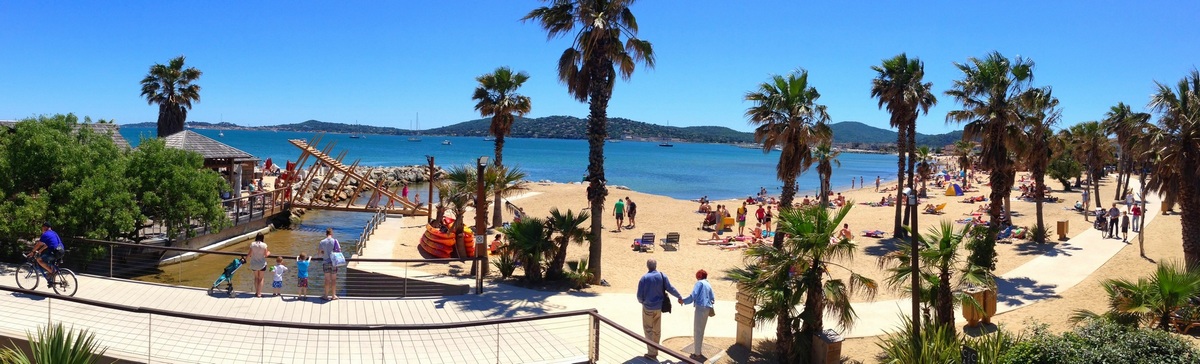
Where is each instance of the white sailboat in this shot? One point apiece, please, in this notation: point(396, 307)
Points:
point(417, 127)
point(354, 134)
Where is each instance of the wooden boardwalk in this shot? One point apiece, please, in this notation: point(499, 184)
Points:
point(141, 336)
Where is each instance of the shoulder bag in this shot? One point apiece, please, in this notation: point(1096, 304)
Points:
point(666, 303)
point(336, 257)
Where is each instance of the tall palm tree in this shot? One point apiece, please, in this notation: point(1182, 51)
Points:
point(787, 115)
point(899, 85)
point(497, 97)
point(567, 226)
point(826, 157)
point(988, 93)
point(605, 46)
point(1092, 148)
point(1040, 112)
point(171, 87)
point(924, 157)
point(781, 278)
point(1176, 144)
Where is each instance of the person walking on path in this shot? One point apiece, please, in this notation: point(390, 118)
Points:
point(1114, 219)
point(1136, 211)
point(325, 249)
point(258, 262)
point(1125, 226)
point(619, 213)
point(631, 211)
point(852, 183)
point(1086, 204)
point(703, 299)
point(652, 290)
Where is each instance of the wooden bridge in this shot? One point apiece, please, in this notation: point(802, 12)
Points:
point(394, 204)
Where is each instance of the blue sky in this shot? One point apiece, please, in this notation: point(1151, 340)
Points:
point(381, 63)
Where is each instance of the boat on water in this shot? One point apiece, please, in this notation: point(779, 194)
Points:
point(221, 134)
point(488, 138)
point(613, 140)
point(417, 127)
point(355, 135)
point(446, 142)
point(666, 144)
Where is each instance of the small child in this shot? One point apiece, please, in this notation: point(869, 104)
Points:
point(302, 274)
point(279, 269)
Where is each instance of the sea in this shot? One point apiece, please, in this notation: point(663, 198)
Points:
point(683, 171)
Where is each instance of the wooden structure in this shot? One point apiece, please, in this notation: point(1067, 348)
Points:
point(744, 316)
point(236, 166)
point(323, 167)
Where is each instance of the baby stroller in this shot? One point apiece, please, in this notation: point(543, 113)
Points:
point(227, 276)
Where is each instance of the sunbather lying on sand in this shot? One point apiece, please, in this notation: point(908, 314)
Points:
point(874, 233)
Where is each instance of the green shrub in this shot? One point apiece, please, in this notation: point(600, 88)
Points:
point(57, 345)
point(506, 265)
point(939, 345)
point(1102, 341)
point(579, 274)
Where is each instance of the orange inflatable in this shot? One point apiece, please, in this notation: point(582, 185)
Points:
point(441, 245)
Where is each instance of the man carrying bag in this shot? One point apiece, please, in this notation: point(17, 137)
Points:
point(652, 294)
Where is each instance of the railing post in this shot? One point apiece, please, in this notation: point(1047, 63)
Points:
point(594, 339)
point(405, 292)
point(111, 252)
point(149, 333)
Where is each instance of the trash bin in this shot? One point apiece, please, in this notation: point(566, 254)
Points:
point(970, 312)
point(1063, 228)
point(827, 347)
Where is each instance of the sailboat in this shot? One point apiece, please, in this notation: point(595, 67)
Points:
point(354, 134)
point(417, 137)
point(666, 141)
point(221, 134)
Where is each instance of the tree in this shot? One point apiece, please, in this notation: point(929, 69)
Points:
point(826, 157)
point(171, 87)
point(1040, 112)
point(924, 157)
point(567, 226)
point(530, 239)
point(988, 93)
point(172, 188)
point(1091, 146)
point(1176, 145)
point(497, 97)
point(940, 257)
point(606, 45)
point(457, 191)
point(1149, 301)
point(899, 86)
point(786, 115)
point(781, 278)
point(963, 149)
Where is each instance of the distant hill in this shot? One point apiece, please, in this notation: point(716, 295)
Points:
point(851, 134)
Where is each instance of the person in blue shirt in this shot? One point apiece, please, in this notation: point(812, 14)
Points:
point(702, 297)
point(48, 249)
point(651, 294)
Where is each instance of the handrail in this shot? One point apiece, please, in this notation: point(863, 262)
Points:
point(379, 217)
point(236, 254)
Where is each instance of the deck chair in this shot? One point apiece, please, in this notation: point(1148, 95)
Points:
point(671, 242)
point(647, 244)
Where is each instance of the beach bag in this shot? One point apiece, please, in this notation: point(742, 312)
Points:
point(666, 303)
point(712, 312)
point(336, 257)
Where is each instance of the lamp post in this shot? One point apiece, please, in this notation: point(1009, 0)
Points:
point(914, 254)
point(481, 252)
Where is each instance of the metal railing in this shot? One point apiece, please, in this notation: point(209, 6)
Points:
point(363, 277)
point(379, 217)
point(156, 335)
point(242, 210)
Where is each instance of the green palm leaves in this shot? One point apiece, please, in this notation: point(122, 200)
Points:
point(497, 97)
point(1149, 301)
point(171, 87)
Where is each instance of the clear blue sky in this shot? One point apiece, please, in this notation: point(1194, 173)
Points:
point(380, 63)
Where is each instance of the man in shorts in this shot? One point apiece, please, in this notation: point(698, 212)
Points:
point(631, 211)
point(48, 249)
point(619, 212)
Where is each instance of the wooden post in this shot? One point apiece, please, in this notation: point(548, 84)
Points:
point(429, 207)
point(744, 315)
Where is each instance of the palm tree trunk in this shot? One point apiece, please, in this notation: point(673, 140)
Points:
point(902, 153)
point(785, 202)
point(1095, 181)
point(945, 301)
point(1039, 182)
point(597, 133)
point(1189, 215)
point(784, 335)
point(560, 259)
point(814, 304)
point(1142, 221)
point(460, 246)
point(497, 211)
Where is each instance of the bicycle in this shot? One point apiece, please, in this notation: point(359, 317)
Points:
point(31, 273)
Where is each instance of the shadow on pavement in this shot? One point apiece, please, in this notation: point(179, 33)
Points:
point(505, 300)
point(1049, 249)
point(1017, 291)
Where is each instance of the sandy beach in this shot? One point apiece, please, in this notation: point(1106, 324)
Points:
point(661, 215)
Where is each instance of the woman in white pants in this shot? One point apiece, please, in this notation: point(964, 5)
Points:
point(703, 299)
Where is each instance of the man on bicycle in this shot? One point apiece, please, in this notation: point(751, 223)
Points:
point(48, 249)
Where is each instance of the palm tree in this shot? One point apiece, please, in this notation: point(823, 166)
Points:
point(497, 97)
point(605, 46)
point(567, 225)
point(963, 149)
point(940, 255)
point(786, 115)
point(1176, 144)
point(1092, 148)
point(826, 157)
point(530, 240)
point(457, 191)
point(781, 278)
point(1040, 113)
point(172, 88)
point(503, 181)
point(989, 94)
point(57, 345)
point(1149, 301)
point(924, 157)
point(899, 85)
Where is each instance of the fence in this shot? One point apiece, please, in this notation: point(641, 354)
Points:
point(362, 277)
point(379, 218)
point(154, 335)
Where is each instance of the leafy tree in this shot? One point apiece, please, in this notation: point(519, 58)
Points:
point(457, 191)
point(1091, 147)
point(899, 84)
point(924, 157)
point(497, 97)
point(1175, 143)
point(173, 188)
point(963, 149)
point(988, 93)
point(171, 87)
point(787, 115)
point(1040, 112)
point(940, 255)
point(781, 278)
point(1063, 167)
point(605, 46)
point(568, 228)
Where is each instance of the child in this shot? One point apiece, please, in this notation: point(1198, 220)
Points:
point(302, 274)
point(1125, 226)
point(279, 269)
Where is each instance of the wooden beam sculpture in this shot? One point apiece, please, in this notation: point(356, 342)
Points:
point(322, 159)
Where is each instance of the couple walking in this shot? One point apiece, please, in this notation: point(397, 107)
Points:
point(652, 291)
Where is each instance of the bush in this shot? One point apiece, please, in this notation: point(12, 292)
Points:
point(506, 265)
point(1102, 341)
point(57, 345)
point(939, 345)
point(579, 274)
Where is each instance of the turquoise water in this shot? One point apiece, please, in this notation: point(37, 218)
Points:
point(685, 171)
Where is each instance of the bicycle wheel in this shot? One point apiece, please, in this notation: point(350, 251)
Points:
point(65, 283)
point(27, 277)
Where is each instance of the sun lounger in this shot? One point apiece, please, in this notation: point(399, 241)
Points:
point(671, 242)
point(647, 244)
point(937, 210)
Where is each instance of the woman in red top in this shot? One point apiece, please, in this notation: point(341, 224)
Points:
point(1136, 211)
